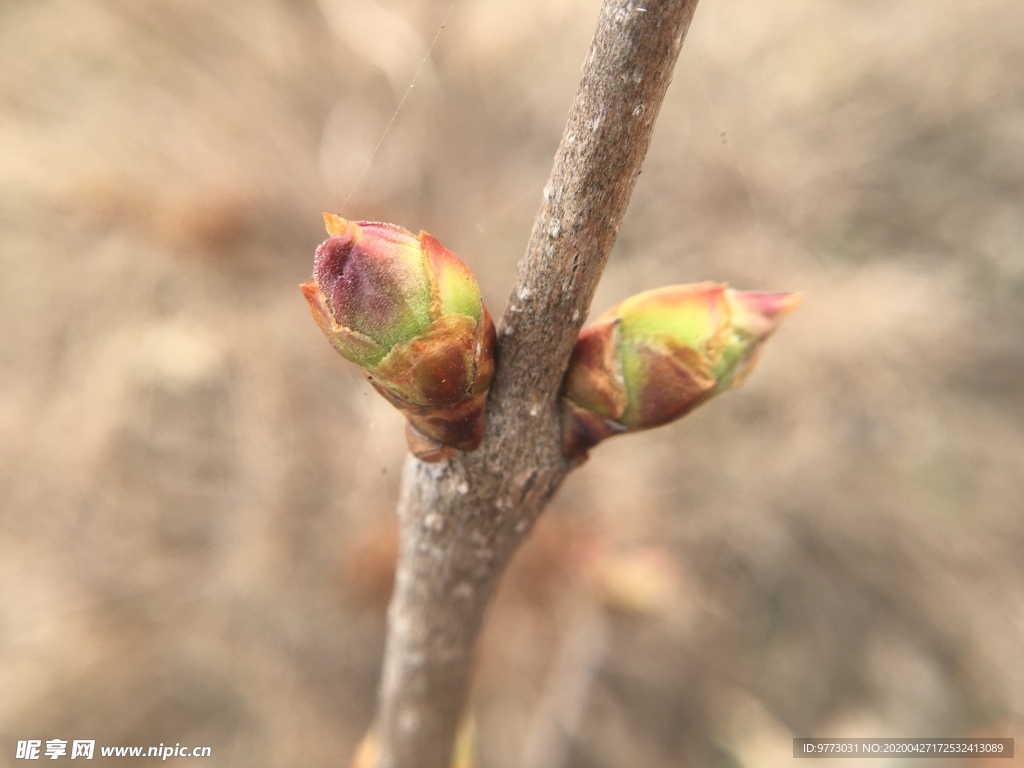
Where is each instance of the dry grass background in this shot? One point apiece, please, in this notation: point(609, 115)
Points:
point(196, 493)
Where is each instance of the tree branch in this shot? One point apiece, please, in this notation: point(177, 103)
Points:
point(461, 520)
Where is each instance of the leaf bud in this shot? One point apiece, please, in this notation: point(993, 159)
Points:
point(658, 355)
point(409, 313)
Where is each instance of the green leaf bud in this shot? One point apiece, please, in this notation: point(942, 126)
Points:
point(658, 355)
point(408, 312)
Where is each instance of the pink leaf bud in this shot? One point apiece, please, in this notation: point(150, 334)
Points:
point(408, 312)
point(659, 354)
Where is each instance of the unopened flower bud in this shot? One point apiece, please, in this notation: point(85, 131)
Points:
point(409, 313)
point(660, 354)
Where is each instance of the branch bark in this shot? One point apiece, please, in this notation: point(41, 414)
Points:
point(461, 520)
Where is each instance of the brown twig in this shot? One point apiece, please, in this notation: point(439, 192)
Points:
point(462, 519)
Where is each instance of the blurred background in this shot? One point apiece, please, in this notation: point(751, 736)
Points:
point(197, 494)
